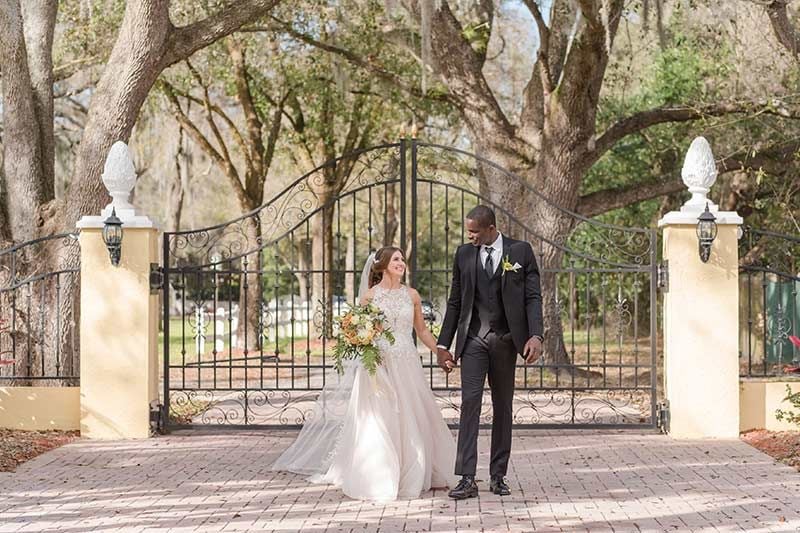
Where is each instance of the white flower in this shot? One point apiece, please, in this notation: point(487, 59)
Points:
point(507, 266)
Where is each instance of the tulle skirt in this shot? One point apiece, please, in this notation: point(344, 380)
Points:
point(378, 437)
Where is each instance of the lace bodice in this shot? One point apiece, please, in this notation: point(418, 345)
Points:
point(399, 310)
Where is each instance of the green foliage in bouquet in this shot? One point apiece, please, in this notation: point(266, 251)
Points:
point(359, 329)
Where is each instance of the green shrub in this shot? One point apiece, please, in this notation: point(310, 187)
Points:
point(792, 416)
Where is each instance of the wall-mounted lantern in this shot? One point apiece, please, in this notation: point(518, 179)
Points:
point(112, 236)
point(706, 233)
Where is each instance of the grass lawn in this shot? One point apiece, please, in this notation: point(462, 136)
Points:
point(624, 363)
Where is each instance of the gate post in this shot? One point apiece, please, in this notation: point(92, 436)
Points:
point(701, 311)
point(119, 327)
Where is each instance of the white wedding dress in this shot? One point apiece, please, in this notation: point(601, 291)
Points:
point(378, 437)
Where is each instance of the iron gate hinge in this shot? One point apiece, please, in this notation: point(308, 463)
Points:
point(156, 278)
point(663, 276)
point(662, 416)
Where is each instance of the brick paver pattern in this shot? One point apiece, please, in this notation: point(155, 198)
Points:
point(560, 481)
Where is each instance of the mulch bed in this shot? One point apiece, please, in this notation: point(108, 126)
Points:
point(784, 446)
point(18, 446)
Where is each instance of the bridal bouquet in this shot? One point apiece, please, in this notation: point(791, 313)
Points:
point(359, 329)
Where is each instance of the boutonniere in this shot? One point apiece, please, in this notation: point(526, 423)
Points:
point(507, 266)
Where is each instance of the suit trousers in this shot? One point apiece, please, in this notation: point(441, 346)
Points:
point(496, 357)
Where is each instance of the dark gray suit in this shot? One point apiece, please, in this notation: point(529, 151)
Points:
point(491, 318)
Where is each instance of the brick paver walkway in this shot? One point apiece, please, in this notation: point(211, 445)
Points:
point(561, 481)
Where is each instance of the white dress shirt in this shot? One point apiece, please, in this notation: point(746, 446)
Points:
point(497, 253)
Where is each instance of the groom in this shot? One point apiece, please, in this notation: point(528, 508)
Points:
point(494, 312)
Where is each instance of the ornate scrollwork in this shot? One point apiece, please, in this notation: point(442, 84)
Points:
point(284, 408)
point(779, 326)
point(621, 317)
point(39, 282)
point(291, 207)
point(609, 407)
point(776, 253)
point(583, 241)
point(29, 261)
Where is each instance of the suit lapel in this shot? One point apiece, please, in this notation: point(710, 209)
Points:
point(473, 265)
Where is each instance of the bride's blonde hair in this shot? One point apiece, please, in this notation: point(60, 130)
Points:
point(382, 258)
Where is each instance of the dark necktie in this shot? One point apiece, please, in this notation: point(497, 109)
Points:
point(489, 266)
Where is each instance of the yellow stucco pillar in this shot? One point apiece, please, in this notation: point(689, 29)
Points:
point(119, 317)
point(701, 329)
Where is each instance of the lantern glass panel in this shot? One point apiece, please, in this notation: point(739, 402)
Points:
point(112, 234)
point(705, 230)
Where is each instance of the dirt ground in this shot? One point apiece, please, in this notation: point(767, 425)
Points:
point(18, 446)
point(783, 446)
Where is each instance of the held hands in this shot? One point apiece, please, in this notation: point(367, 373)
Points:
point(445, 359)
point(533, 350)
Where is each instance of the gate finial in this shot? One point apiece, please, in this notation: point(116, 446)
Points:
point(119, 177)
point(699, 173)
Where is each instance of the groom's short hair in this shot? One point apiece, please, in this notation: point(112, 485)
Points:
point(483, 215)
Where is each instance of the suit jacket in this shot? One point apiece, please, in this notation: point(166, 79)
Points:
point(522, 295)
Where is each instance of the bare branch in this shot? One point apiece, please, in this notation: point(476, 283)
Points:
point(219, 157)
point(254, 155)
point(237, 135)
point(775, 159)
point(272, 138)
point(78, 82)
point(544, 45)
point(786, 33)
point(223, 146)
point(69, 69)
point(186, 40)
point(359, 61)
point(586, 60)
point(600, 202)
point(462, 69)
point(651, 117)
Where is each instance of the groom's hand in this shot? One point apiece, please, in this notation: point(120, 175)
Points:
point(445, 359)
point(532, 350)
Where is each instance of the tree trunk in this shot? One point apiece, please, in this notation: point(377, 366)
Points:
point(132, 68)
point(177, 184)
point(392, 222)
point(5, 227)
point(303, 266)
point(39, 20)
point(248, 333)
point(22, 144)
point(321, 262)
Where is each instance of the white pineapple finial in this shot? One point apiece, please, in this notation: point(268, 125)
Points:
point(119, 177)
point(699, 173)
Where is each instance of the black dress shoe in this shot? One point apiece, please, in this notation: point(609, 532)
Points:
point(466, 488)
point(498, 486)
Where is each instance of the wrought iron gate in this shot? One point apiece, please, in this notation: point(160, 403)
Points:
point(769, 303)
point(248, 304)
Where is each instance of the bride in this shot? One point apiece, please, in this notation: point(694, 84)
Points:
point(379, 437)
